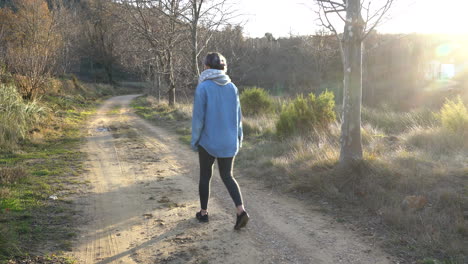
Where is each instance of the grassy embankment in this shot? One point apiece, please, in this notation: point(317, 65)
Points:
point(410, 192)
point(40, 158)
point(178, 119)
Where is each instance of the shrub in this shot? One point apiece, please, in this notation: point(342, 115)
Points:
point(17, 117)
point(454, 116)
point(77, 83)
point(306, 114)
point(255, 101)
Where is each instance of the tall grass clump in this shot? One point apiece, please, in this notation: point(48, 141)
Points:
point(454, 116)
point(262, 125)
point(305, 114)
point(256, 101)
point(393, 122)
point(17, 116)
point(448, 138)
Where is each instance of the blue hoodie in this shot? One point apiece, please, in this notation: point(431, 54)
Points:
point(217, 118)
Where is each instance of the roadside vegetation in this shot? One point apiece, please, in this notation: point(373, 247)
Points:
point(43, 108)
point(411, 186)
point(410, 189)
point(178, 118)
point(41, 168)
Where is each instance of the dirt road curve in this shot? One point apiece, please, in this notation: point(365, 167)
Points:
point(144, 194)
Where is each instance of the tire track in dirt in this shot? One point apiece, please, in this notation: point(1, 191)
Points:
point(144, 194)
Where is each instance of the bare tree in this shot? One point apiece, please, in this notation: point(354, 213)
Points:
point(356, 29)
point(102, 33)
point(231, 43)
point(324, 51)
point(159, 24)
point(208, 15)
point(68, 25)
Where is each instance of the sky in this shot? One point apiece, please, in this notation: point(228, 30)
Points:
point(282, 17)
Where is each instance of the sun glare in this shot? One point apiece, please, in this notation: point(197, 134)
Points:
point(408, 16)
point(449, 19)
point(427, 16)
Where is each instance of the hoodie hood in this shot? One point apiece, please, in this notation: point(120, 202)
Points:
point(218, 76)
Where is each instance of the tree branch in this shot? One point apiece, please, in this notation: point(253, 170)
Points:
point(383, 10)
point(333, 3)
point(335, 11)
point(330, 27)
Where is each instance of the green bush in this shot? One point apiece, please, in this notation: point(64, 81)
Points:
point(306, 114)
point(17, 116)
point(454, 116)
point(255, 101)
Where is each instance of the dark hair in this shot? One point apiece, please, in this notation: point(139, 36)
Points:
point(215, 60)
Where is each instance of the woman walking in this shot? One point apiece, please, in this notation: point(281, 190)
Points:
point(217, 132)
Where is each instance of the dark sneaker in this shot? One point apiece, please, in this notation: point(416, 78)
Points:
point(242, 220)
point(202, 218)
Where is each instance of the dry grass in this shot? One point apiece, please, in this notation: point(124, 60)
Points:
point(392, 122)
point(9, 175)
point(259, 126)
point(162, 109)
point(185, 109)
point(437, 143)
point(43, 163)
point(422, 160)
point(176, 118)
point(4, 192)
point(406, 155)
point(17, 116)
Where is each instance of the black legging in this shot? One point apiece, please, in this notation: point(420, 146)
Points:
point(225, 170)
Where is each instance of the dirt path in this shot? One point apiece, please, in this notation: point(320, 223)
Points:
point(144, 196)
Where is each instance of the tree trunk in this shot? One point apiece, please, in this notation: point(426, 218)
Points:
point(351, 147)
point(195, 69)
point(172, 99)
point(196, 8)
point(158, 85)
point(152, 79)
point(108, 69)
point(171, 79)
